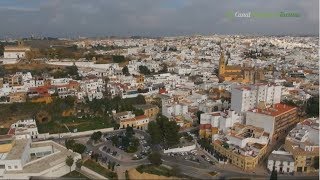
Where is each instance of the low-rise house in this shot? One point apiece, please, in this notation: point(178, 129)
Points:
point(27, 126)
point(282, 161)
point(20, 158)
point(211, 123)
point(149, 110)
point(244, 146)
point(128, 119)
point(303, 143)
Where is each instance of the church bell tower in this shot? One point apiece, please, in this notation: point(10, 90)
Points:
point(222, 64)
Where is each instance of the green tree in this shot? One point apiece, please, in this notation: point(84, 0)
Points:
point(13, 107)
point(198, 114)
point(289, 102)
point(79, 163)
point(79, 148)
point(140, 99)
point(312, 108)
point(274, 175)
point(69, 101)
point(129, 132)
point(138, 112)
point(69, 161)
point(115, 140)
point(118, 58)
point(96, 136)
point(144, 70)
point(171, 133)
point(316, 162)
point(125, 71)
point(155, 158)
point(169, 130)
point(155, 132)
point(2, 70)
point(69, 143)
point(164, 68)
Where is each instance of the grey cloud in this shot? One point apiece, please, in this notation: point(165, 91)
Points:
point(161, 17)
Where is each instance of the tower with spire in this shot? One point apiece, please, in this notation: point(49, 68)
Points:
point(222, 64)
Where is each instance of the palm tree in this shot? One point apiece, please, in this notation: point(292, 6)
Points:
point(69, 161)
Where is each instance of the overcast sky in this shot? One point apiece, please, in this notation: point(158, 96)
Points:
point(65, 18)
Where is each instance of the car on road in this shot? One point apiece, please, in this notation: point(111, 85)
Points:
point(203, 156)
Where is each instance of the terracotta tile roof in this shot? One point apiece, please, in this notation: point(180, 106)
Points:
point(276, 110)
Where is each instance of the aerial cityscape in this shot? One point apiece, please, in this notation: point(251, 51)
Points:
point(84, 99)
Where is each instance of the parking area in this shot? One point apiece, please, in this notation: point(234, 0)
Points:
point(118, 151)
point(193, 156)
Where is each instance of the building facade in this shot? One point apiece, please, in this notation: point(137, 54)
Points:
point(303, 143)
point(243, 146)
point(20, 158)
point(244, 98)
point(282, 161)
point(15, 52)
point(276, 120)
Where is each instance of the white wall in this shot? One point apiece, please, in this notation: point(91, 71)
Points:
point(285, 166)
point(13, 55)
point(84, 133)
point(182, 149)
point(261, 120)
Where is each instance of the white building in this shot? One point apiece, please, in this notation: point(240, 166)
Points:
point(174, 109)
point(20, 158)
point(28, 126)
point(219, 120)
point(15, 52)
point(244, 98)
point(282, 161)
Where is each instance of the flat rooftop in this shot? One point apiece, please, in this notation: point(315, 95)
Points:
point(36, 166)
point(276, 110)
point(281, 157)
point(17, 149)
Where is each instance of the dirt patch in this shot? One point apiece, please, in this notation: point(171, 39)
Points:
point(134, 174)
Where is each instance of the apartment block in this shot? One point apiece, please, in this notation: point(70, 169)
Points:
point(276, 120)
point(244, 98)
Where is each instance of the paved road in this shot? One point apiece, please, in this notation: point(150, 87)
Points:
point(192, 169)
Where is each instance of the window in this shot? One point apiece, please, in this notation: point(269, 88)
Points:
point(9, 167)
point(16, 167)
